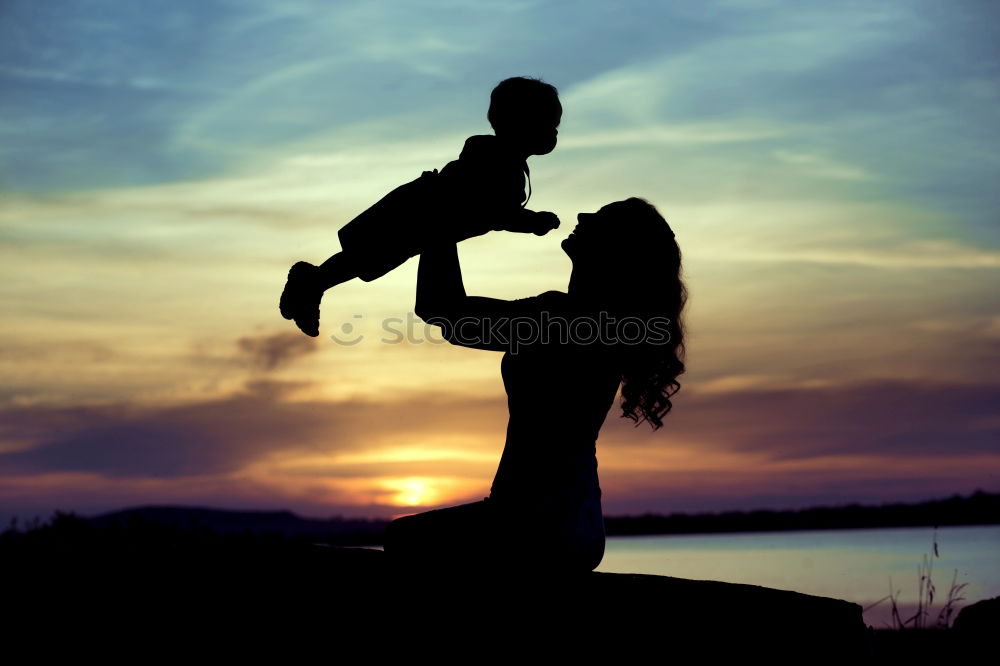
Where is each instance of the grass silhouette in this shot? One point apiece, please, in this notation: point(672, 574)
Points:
point(926, 591)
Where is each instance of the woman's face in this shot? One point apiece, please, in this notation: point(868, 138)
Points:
point(592, 235)
point(624, 247)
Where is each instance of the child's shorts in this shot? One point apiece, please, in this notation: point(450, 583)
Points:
point(397, 227)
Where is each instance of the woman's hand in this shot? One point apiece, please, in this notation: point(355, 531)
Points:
point(440, 288)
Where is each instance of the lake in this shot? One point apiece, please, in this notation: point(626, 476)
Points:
point(855, 565)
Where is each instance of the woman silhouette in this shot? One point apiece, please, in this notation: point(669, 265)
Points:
point(565, 356)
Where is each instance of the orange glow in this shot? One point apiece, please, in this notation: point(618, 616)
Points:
point(412, 491)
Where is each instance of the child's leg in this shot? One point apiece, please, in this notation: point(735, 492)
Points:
point(335, 270)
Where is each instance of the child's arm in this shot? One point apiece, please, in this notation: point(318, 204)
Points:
point(526, 221)
point(484, 185)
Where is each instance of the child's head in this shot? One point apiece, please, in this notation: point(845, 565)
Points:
point(527, 112)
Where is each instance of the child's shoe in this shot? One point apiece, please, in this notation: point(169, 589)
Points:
point(301, 298)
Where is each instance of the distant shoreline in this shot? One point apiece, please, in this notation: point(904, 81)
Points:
point(980, 508)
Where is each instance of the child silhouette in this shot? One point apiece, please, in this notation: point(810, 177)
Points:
point(483, 190)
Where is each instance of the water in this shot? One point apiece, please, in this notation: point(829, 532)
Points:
point(855, 565)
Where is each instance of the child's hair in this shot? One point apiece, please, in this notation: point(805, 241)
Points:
point(513, 96)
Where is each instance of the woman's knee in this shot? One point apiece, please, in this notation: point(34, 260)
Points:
point(431, 527)
point(398, 533)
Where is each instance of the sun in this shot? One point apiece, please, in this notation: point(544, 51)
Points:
point(412, 491)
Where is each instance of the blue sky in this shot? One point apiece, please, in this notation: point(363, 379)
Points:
point(108, 93)
point(829, 169)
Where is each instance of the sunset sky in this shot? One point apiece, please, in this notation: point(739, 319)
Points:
point(830, 171)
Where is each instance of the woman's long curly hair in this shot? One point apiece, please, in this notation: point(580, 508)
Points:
point(649, 286)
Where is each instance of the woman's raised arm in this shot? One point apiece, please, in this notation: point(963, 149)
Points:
point(469, 321)
point(440, 289)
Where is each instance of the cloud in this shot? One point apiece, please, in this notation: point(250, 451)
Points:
point(223, 436)
point(136, 83)
point(262, 425)
point(922, 254)
point(672, 135)
point(972, 328)
point(269, 352)
point(732, 383)
point(741, 61)
point(820, 166)
point(885, 419)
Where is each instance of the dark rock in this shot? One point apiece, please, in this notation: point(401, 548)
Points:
point(982, 617)
point(977, 626)
point(180, 589)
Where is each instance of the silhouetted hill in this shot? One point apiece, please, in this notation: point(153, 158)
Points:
point(980, 508)
point(341, 531)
